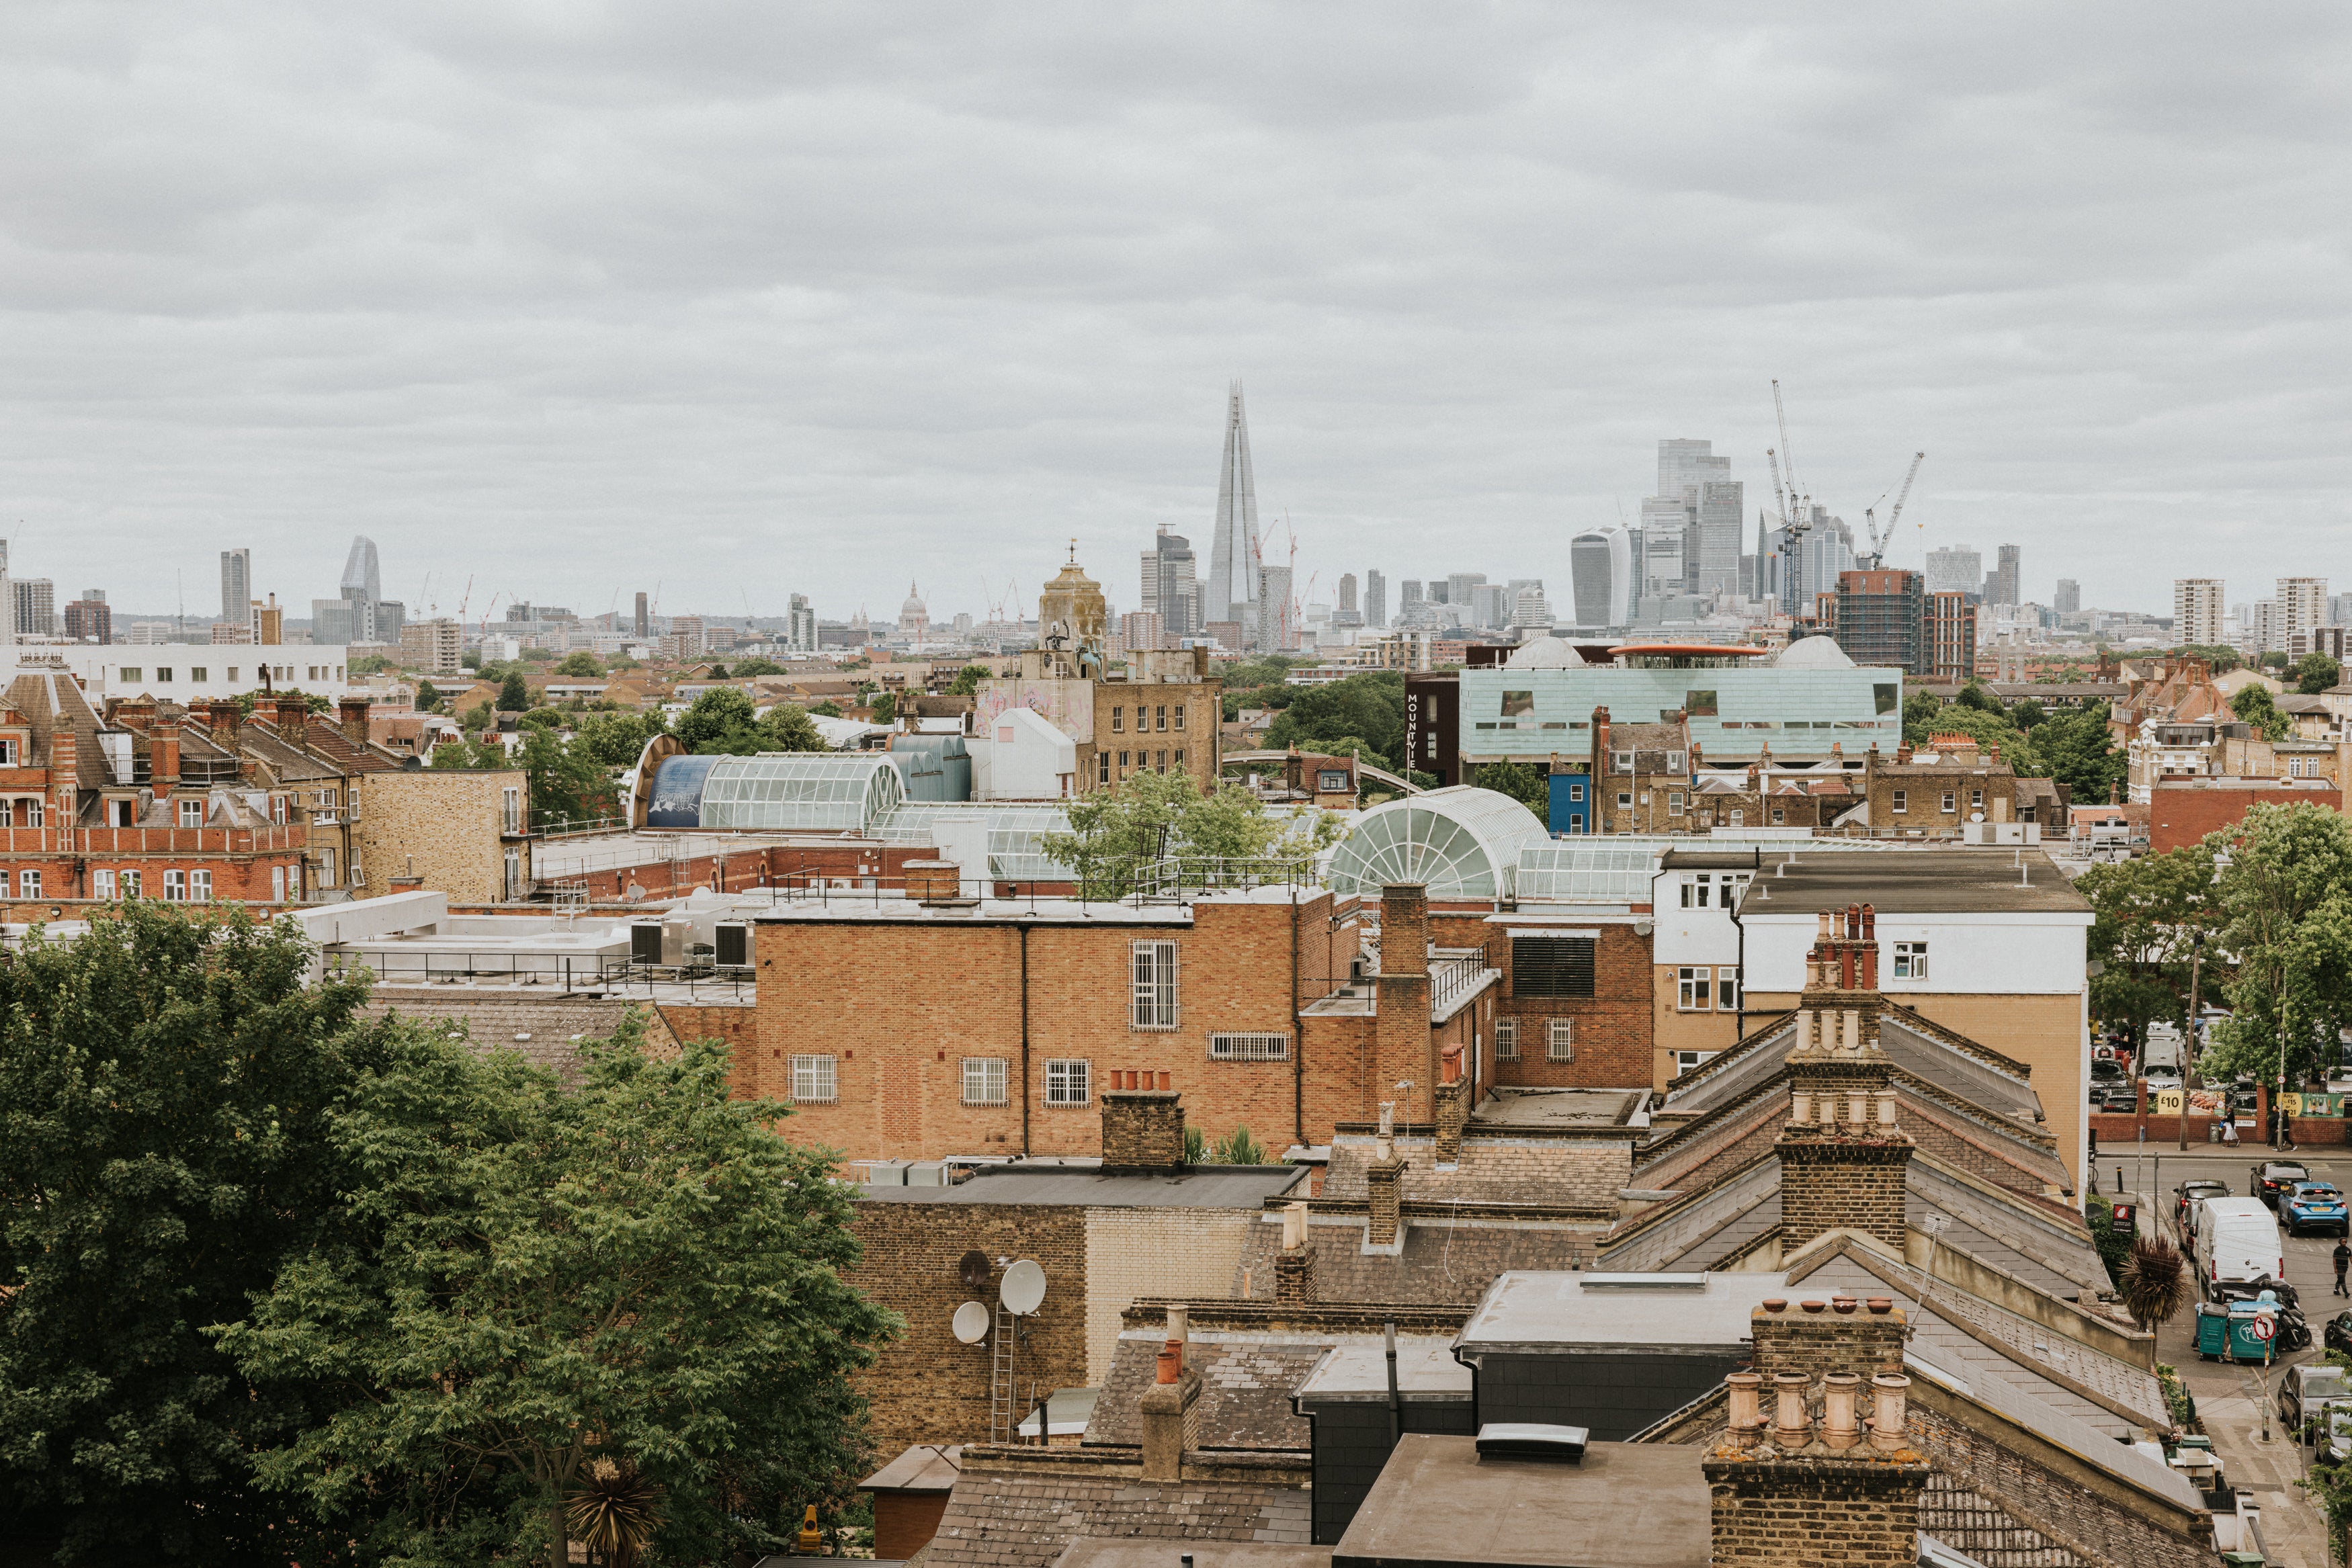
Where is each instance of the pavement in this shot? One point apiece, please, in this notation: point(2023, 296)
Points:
point(2233, 1399)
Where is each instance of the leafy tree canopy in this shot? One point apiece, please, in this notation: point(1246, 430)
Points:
point(2255, 705)
point(582, 665)
point(712, 716)
point(2313, 673)
point(428, 696)
point(638, 1271)
point(2218, 657)
point(618, 739)
point(966, 681)
point(2285, 904)
point(514, 695)
point(1522, 782)
point(757, 666)
point(1369, 707)
point(1149, 816)
point(2147, 916)
point(169, 1081)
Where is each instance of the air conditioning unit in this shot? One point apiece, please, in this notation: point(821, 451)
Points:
point(646, 943)
point(734, 946)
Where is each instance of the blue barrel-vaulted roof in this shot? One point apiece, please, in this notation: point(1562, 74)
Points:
point(825, 790)
point(1461, 842)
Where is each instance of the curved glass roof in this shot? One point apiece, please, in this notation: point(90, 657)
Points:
point(1590, 870)
point(1461, 842)
point(818, 789)
point(1003, 836)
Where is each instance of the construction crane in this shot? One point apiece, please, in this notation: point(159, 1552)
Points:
point(1879, 541)
point(1787, 452)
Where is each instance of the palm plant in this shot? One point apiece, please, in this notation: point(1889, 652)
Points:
point(615, 1512)
point(1240, 1148)
point(2154, 1282)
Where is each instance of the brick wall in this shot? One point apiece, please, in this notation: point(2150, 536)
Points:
point(2182, 814)
point(1612, 1030)
point(926, 1385)
point(731, 1023)
point(1142, 1129)
point(901, 1006)
point(1976, 1468)
point(1829, 1181)
point(1154, 705)
point(1810, 1511)
point(1186, 1254)
point(441, 825)
point(1815, 1343)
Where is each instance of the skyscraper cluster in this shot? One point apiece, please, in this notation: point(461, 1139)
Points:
point(359, 613)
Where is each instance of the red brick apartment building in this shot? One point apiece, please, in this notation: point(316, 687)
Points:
point(914, 1029)
point(92, 812)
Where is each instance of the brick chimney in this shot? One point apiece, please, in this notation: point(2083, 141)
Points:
point(1384, 1188)
point(1171, 1408)
point(1404, 929)
point(1814, 1480)
point(164, 770)
point(1843, 1158)
point(1142, 1131)
point(1600, 745)
point(222, 715)
point(1453, 1097)
point(1293, 1266)
point(1403, 1050)
point(931, 881)
point(351, 716)
point(293, 717)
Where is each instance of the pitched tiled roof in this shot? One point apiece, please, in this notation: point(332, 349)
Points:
point(51, 701)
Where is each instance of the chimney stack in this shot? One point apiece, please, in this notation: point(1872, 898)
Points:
point(1294, 1266)
point(293, 717)
point(1142, 1132)
point(163, 772)
point(1844, 1158)
point(351, 714)
point(1819, 1482)
point(1404, 928)
point(1384, 1188)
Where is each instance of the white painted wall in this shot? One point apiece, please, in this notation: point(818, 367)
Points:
point(1018, 754)
point(1693, 935)
point(184, 671)
point(2022, 952)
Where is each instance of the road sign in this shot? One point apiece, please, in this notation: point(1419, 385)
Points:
point(2263, 1327)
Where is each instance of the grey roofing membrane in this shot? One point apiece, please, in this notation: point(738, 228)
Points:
point(1627, 1505)
point(1355, 1370)
point(1614, 1311)
point(1917, 881)
point(1201, 1187)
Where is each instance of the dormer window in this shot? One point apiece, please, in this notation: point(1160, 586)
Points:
point(192, 813)
point(10, 751)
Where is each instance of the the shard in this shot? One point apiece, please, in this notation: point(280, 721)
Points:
point(1231, 592)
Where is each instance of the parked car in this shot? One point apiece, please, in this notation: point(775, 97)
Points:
point(2190, 1194)
point(2338, 1335)
point(2161, 1080)
point(2107, 1071)
point(2236, 1245)
point(2315, 1205)
point(2304, 1390)
point(2271, 1178)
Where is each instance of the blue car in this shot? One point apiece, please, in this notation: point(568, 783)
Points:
point(2315, 1205)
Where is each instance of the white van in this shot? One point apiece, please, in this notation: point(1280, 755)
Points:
point(2237, 1240)
point(2160, 1051)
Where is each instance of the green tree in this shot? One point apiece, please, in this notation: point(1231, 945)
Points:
point(2314, 672)
point(827, 709)
point(886, 708)
point(2076, 750)
point(168, 1079)
point(746, 668)
point(462, 753)
point(369, 664)
point(568, 783)
point(785, 727)
point(966, 681)
point(713, 718)
point(2218, 657)
point(2255, 705)
point(2286, 901)
point(2148, 915)
point(2274, 659)
point(1522, 782)
point(640, 1269)
point(1369, 707)
point(1154, 817)
point(618, 739)
point(428, 696)
point(514, 695)
point(582, 665)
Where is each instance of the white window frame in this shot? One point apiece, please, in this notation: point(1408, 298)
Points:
point(28, 884)
point(101, 883)
point(131, 883)
point(200, 885)
point(1069, 1082)
point(32, 812)
point(986, 1080)
point(1152, 969)
point(7, 754)
point(1910, 961)
point(1689, 1061)
point(176, 886)
point(1246, 1047)
point(1897, 803)
point(1694, 988)
point(1621, 762)
point(190, 808)
point(1624, 799)
point(1951, 801)
point(1727, 988)
point(816, 1079)
point(1506, 1039)
point(7, 813)
point(1674, 762)
point(1560, 1040)
point(1674, 802)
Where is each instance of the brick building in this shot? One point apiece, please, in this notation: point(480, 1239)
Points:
point(2182, 811)
point(1642, 775)
point(463, 832)
point(1937, 792)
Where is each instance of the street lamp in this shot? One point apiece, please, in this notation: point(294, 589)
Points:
point(2189, 1054)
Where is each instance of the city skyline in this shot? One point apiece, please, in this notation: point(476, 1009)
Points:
point(1013, 325)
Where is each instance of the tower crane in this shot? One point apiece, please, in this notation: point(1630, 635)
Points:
point(1787, 452)
point(1879, 541)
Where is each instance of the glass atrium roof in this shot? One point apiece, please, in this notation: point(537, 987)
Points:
point(1002, 835)
point(1461, 842)
point(816, 790)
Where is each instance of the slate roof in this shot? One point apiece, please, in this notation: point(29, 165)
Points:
point(494, 1019)
point(1247, 1377)
point(1439, 1262)
point(50, 700)
point(1013, 1518)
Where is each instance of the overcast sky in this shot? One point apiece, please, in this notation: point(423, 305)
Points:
point(741, 299)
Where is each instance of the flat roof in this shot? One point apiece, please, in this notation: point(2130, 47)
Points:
point(1425, 1370)
point(1628, 1505)
point(924, 1468)
point(1991, 879)
point(1197, 1186)
point(1557, 1107)
point(1555, 1312)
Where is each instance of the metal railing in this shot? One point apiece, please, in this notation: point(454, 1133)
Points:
point(1451, 979)
point(564, 827)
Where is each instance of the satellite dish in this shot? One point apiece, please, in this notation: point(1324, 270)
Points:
point(971, 1322)
point(1024, 1288)
point(973, 1270)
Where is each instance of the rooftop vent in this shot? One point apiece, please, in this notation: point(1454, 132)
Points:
point(1532, 1440)
point(1642, 1281)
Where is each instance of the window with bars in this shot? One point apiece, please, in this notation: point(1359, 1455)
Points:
point(1507, 1040)
point(1560, 1040)
point(1551, 966)
point(1068, 1083)
point(815, 1081)
point(1155, 985)
point(1249, 1047)
point(983, 1081)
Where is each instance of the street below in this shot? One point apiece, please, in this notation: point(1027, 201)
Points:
point(2233, 1399)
